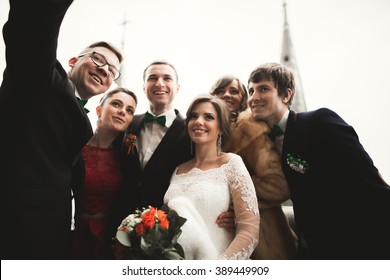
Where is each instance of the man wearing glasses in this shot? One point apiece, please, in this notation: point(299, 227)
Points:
point(93, 70)
point(39, 151)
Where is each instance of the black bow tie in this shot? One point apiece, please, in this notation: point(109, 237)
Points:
point(82, 103)
point(150, 118)
point(275, 132)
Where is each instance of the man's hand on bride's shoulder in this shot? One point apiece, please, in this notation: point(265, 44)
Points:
point(226, 220)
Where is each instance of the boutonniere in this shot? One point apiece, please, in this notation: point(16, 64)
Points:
point(297, 164)
point(129, 142)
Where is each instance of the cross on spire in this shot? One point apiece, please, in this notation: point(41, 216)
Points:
point(120, 81)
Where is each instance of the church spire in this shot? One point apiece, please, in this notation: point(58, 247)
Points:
point(288, 58)
point(120, 81)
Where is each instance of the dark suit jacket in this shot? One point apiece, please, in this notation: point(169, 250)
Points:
point(44, 129)
point(341, 204)
point(147, 186)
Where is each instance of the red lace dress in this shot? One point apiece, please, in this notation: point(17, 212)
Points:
point(103, 179)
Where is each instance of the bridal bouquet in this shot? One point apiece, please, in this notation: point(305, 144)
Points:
point(152, 233)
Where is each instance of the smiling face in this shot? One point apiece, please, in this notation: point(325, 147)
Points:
point(117, 111)
point(160, 87)
point(89, 79)
point(231, 95)
point(230, 89)
point(203, 125)
point(271, 88)
point(265, 103)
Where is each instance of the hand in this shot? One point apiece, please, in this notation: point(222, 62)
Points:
point(226, 221)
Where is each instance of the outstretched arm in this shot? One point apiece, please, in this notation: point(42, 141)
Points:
point(31, 35)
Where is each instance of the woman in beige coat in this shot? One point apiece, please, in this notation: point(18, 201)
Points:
point(249, 139)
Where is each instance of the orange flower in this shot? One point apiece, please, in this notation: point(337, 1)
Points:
point(148, 219)
point(140, 229)
point(153, 210)
point(161, 215)
point(164, 224)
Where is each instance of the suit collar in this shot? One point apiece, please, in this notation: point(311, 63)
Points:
point(138, 121)
point(168, 141)
point(283, 121)
point(289, 131)
point(291, 120)
point(171, 136)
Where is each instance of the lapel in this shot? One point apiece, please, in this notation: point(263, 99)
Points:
point(167, 144)
point(135, 128)
point(296, 140)
point(290, 140)
point(293, 140)
point(137, 124)
point(87, 128)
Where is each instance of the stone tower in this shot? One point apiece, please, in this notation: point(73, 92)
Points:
point(288, 58)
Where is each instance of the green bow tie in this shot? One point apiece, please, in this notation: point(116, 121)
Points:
point(150, 118)
point(82, 103)
point(275, 132)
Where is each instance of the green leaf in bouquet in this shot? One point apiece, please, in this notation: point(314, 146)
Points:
point(175, 221)
point(176, 237)
point(179, 250)
point(173, 254)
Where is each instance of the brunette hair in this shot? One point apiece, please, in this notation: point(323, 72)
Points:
point(280, 75)
point(220, 107)
point(224, 81)
point(106, 45)
point(116, 90)
point(161, 62)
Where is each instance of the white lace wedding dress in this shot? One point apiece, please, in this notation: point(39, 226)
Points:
point(200, 196)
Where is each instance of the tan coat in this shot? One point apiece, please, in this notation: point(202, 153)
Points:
point(249, 139)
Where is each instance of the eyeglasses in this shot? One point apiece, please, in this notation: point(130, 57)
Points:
point(101, 61)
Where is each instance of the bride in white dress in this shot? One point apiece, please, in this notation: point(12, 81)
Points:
point(209, 184)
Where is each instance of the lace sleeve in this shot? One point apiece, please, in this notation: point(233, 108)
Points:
point(245, 208)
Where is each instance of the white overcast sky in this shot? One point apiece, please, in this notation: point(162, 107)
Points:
point(342, 48)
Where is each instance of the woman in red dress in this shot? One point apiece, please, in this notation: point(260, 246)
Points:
point(102, 175)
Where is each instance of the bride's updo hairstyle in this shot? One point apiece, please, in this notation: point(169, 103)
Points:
point(223, 114)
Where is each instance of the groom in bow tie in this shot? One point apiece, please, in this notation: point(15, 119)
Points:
point(341, 203)
point(160, 146)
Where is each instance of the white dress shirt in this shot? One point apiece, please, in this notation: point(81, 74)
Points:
point(151, 135)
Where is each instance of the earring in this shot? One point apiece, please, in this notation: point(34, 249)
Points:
point(219, 144)
point(191, 148)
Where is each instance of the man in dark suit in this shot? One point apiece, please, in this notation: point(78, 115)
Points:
point(38, 152)
point(341, 203)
